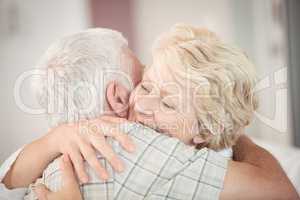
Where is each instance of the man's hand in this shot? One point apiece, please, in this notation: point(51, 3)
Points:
point(70, 189)
point(81, 140)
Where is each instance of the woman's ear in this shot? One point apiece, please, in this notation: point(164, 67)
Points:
point(117, 97)
point(201, 141)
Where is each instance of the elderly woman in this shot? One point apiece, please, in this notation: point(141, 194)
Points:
point(199, 90)
point(199, 83)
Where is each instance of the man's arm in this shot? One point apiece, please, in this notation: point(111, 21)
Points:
point(255, 174)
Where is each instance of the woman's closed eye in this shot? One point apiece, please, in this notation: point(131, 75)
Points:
point(145, 88)
point(168, 105)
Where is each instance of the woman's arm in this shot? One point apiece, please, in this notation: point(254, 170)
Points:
point(255, 174)
point(70, 140)
point(30, 163)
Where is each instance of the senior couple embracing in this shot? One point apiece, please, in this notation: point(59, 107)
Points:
point(121, 130)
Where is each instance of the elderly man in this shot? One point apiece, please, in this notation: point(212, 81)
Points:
point(160, 167)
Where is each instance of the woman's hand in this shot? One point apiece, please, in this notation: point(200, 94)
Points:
point(70, 189)
point(81, 140)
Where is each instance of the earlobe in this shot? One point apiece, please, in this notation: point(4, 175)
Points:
point(117, 98)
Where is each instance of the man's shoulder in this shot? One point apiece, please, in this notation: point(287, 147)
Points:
point(160, 145)
point(158, 153)
point(159, 160)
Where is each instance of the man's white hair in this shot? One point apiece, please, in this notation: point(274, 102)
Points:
point(78, 67)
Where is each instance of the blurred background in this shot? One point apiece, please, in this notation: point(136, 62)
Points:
point(265, 29)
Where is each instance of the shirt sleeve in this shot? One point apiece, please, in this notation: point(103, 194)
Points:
point(5, 193)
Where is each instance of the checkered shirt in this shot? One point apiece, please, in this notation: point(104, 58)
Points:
point(160, 168)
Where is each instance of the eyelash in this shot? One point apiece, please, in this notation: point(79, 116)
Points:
point(144, 88)
point(168, 106)
point(165, 104)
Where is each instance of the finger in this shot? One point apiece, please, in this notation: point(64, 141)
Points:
point(90, 156)
point(109, 129)
point(107, 152)
point(78, 163)
point(68, 175)
point(41, 192)
point(112, 119)
point(124, 139)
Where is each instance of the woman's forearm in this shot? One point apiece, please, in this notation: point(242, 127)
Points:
point(246, 151)
point(31, 162)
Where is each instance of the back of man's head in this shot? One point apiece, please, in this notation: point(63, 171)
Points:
point(78, 68)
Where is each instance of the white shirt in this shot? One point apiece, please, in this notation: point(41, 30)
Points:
point(19, 193)
point(162, 167)
point(7, 194)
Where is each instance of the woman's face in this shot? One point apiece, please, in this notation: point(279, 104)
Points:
point(163, 104)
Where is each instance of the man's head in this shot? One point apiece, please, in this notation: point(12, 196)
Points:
point(87, 73)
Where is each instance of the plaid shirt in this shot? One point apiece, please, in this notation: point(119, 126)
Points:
point(160, 168)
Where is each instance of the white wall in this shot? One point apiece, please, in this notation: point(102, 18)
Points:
point(153, 17)
point(273, 118)
point(26, 30)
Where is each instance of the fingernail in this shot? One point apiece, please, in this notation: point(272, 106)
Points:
point(105, 176)
point(85, 179)
point(120, 167)
point(131, 147)
point(65, 158)
point(35, 189)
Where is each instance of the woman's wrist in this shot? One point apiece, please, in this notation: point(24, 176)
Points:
point(40, 153)
point(50, 142)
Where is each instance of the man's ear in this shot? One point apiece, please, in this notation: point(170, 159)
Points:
point(117, 97)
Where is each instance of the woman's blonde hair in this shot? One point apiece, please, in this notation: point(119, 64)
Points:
point(221, 75)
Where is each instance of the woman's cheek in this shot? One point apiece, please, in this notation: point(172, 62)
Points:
point(185, 128)
point(169, 124)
